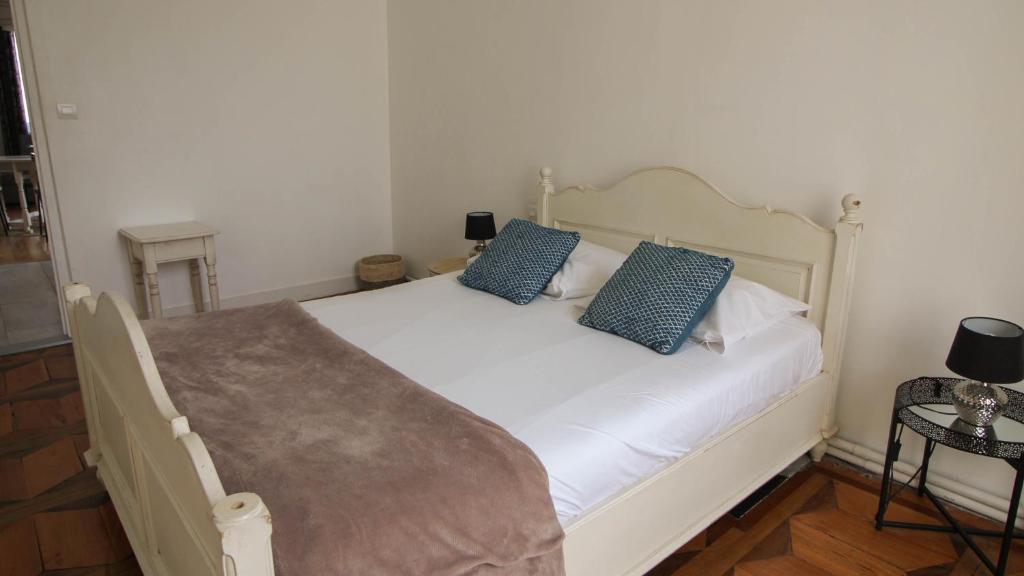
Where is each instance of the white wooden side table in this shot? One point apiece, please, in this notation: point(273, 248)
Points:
point(149, 246)
point(446, 265)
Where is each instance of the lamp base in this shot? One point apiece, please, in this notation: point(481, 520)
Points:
point(978, 403)
point(481, 245)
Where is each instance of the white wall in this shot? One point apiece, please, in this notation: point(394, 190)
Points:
point(914, 105)
point(266, 120)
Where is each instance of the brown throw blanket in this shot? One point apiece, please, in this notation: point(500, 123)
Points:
point(363, 470)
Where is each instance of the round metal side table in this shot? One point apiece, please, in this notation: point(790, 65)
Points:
point(925, 405)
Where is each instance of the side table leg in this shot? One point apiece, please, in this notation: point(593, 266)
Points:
point(211, 277)
point(1011, 521)
point(139, 282)
point(149, 266)
point(157, 310)
point(211, 272)
point(19, 183)
point(890, 458)
point(197, 285)
point(928, 447)
point(140, 289)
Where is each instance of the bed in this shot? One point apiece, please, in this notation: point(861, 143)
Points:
point(642, 451)
point(599, 411)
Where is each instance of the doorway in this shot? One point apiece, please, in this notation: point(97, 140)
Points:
point(30, 315)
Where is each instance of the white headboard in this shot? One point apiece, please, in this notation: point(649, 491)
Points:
point(675, 207)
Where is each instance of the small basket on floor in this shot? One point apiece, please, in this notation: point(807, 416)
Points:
point(380, 271)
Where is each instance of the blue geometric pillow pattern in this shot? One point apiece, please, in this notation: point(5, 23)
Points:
point(658, 296)
point(520, 261)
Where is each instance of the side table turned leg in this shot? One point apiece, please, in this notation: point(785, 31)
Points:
point(211, 272)
point(197, 285)
point(139, 283)
point(140, 289)
point(149, 266)
point(156, 309)
point(211, 277)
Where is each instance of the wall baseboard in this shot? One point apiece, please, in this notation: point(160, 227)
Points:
point(977, 501)
point(302, 292)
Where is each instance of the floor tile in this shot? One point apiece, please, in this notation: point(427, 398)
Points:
point(6, 419)
point(48, 270)
point(62, 350)
point(61, 367)
point(73, 539)
point(19, 549)
point(43, 332)
point(25, 283)
point(52, 505)
point(25, 376)
point(29, 310)
point(21, 316)
point(48, 412)
point(24, 476)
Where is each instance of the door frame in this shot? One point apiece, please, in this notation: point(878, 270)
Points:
point(44, 165)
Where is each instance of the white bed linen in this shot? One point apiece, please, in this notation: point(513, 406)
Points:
point(601, 412)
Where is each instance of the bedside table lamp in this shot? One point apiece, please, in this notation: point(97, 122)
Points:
point(986, 351)
point(479, 227)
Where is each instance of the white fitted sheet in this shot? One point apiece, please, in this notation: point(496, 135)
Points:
point(602, 413)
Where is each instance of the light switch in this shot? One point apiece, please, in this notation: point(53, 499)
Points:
point(67, 111)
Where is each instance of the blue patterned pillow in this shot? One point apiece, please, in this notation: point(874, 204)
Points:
point(520, 261)
point(658, 296)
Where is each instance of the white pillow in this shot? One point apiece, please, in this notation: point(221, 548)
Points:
point(742, 309)
point(588, 267)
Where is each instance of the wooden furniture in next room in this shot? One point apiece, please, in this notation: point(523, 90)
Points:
point(149, 246)
point(21, 167)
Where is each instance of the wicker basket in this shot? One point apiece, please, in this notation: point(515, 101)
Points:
point(381, 270)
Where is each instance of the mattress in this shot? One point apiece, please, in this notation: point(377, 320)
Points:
point(602, 413)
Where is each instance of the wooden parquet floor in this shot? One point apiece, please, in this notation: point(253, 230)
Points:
point(820, 523)
point(14, 249)
point(57, 520)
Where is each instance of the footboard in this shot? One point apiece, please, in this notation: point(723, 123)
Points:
point(158, 472)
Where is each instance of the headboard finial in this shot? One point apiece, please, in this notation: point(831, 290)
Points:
point(851, 209)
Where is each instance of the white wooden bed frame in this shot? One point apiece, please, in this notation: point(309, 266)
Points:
point(180, 521)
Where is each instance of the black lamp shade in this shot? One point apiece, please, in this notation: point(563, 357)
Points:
point(988, 350)
point(480, 226)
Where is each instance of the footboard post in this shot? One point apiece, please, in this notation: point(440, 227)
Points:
point(73, 293)
point(244, 524)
